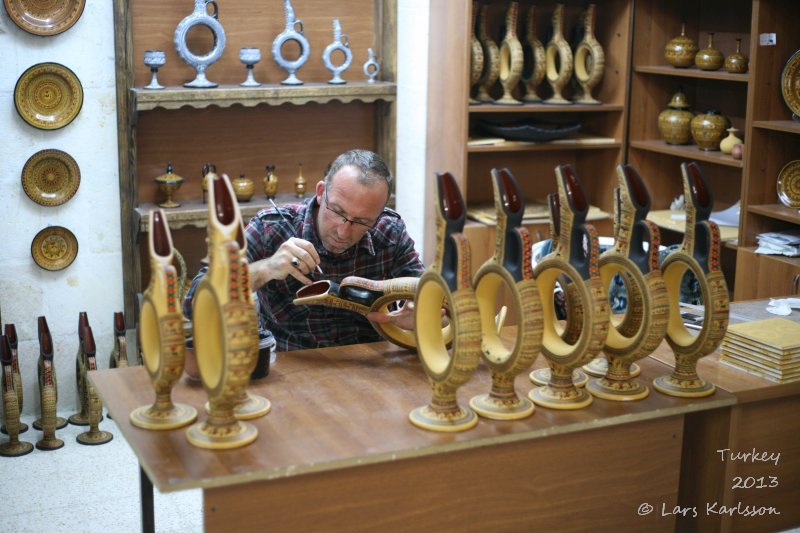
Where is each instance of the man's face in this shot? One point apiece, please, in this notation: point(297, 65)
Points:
point(347, 209)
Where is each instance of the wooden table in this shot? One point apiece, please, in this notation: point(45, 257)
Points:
point(337, 452)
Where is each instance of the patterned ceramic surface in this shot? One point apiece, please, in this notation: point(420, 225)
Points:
point(48, 96)
point(789, 184)
point(54, 248)
point(44, 17)
point(50, 177)
point(790, 83)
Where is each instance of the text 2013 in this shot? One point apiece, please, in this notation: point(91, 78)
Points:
point(750, 482)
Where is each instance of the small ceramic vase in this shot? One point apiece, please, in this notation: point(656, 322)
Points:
point(475, 55)
point(737, 151)
point(244, 188)
point(511, 60)
point(535, 62)
point(708, 129)
point(509, 267)
point(11, 333)
point(700, 254)
point(209, 171)
point(371, 67)
point(447, 283)
point(199, 17)
point(250, 56)
point(491, 58)
point(293, 31)
point(589, 59)
point(300, 183)
point(154, 59)
point(674, 123)
point(169, 184)
point(559, 59)
point(81, 418)
point(48, 395)
point(709, 58)
point(341, 43)
point(94, 435)
point(270, 182)
point(680, 51)
point(119, 354)
point(736, 63)
point(44, 331)
point(11, 410)
point(727, 144)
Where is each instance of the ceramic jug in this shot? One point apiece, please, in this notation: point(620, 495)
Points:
point(511, 60)
point(589, 59)
point(200, 17)
point(680, 51)
point(559, 59)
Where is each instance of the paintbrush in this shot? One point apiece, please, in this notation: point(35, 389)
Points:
point(285, 220)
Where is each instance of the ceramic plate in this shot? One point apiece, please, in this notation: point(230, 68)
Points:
point(44, 17)
point(789, 184)
point(50, 177)
point(790, 83)
point(531, 131)
point(54, 248)
point(48, 96)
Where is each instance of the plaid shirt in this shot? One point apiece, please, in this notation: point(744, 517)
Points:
point(384, 252)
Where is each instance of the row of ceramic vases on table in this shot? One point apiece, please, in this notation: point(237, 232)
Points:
point(678, 125)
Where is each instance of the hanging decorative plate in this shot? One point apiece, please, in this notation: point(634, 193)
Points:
point(50, 177)
point(54, 248)
point(48, 96)
point(790, 83)
point(789, 184)
point(44, 17)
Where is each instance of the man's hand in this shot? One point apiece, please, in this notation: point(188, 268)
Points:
point(402, 317)
point(295, 257)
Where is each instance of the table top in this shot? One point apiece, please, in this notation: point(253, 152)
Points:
point(676, 221)
point(348, 406)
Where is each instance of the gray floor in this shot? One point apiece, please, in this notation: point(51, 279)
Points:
point(85, 489)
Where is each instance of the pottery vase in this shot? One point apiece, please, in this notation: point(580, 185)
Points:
point(44, 332)
point(680, 50)
point(534, 57)
point(93, 436)
point(11, 409)
point(81, 418)
point(708, 129)
point(209, 171)
point(709, 58)
point(341, 43)
point(736, 63)
point(199, 17)
point(589, 59)
point(169, 183)
point(674, 123)
point(737, 151)
point(727, 144)
point(559, 60)
point(511, 58)
point(475, 55)
point(270, 182)
point(300, 183)
point(119, 354)
point(48, 395)
point(293, 31)
point(491, 58)
point(11, 333)
point(244, 188)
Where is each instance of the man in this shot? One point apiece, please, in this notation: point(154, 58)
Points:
point(345, 229)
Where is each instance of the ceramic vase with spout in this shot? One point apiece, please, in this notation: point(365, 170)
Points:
point(736, 63)
point(511, 60)
point(199, 17)
point(680, 50)
point(491, 58)
point(475, 55)
point(709, 58)
point(270, 182)
point(589, 59)
point(559, 59)
point(535, 62)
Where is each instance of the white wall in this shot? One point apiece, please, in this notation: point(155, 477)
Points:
point(93, 283)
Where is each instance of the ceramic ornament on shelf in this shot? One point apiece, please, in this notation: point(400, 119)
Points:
point(341, 43)
point(589, 59)
point(674, 123)
point(154, 59)
point(81, 418)
point(534, 57)
point(250, 57)
point(300, 182)
point(44, 331)
point(709, 58)
point(371, 67)
point(169, 183)
point(736, 63)
point(511, 60)
point(11, 409)
point(11, 334)
point(200, 17)
point(119, 354)
point(475, 54)
point(291, 33)
point(244, 188)
point(558, 56)
point(491, 57)
point(270, 182)
point(680, 51)
point(94, 435)
point(48, 393)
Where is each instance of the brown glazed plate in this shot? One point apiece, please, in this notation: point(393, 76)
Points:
point(789, 184)
point(54, 248)
point(790, 83)
point(50, 177)
point(48, 96)
point(45, 17)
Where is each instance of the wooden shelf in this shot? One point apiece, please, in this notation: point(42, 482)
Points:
point(662, 70)
point(790, 261)
point(543, 108)
point(270, 94)
point(687, 152)
point(676, 221)
point(585, 143)
point(786, 126)
point(776, 211)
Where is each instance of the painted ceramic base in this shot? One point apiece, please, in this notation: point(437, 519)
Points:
point(541, 377)
point(147, 417)
point(254, 406)
point(222, 437)
point(620, 391)
point(459, 419)
point(78, 419)
point(15, 449)
point(599, 367)
point(496, 409)
point(93, 438)
point(49, 445)
point(60, 423)
point(22, 428)
point(560, 399)
point(684, 388)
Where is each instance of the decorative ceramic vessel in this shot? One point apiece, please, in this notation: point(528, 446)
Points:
point(726, 145)
point(509, 267)
point(94, 435)
point(51, 177)
point(447, 283)
point(558, 56)
point(43, 331)
point(674, 123)
point(341, 43)
point(371, 67)
point(680, 51)
point(154, 59)
point(700, 254)
point(11, 409)
point(199, 17)
point(737, 151)
point(244, 188)
point(48, 96)
point(48, 395)
point(44, 17)
point(737, 63)
point(300, 183)
point(209, 171)
point(491, 58)
point(291, 33)
point(708, 128)
point(225, 325)
point(81, 418)
point(119, 354)
point(250, 57)
point(709, 58)
point(161, 333)
point(169, 183)
point(511, 58)
point(11, 334)
point(534, 59)
point(574, 264)
point(589, 59)
point(271, 182)
point(634, 257)
point(475, 55)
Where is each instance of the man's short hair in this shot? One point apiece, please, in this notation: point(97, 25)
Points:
point(372, 168)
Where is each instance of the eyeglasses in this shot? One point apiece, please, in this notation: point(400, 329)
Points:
point(343, 219)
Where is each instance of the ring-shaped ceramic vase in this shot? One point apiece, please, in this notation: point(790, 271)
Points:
point(14, 447)
point(161, 333)
point(48, 395)
point(641, 329)
point(534, 59)
point(11, 333)
point(341, 43)
point(93, 436)
point(44, 330)
point(699, 254)
point(475, 55)
point(589, 59)
point(291, 34)
point(447, 283)
point(575, 256)
point(199, 17)
point(81, 418)
point(509, 266)
point(491, 58)
point(371, 67)
point(511, 58)
point(558, 58)
point(225, 325)
point(119, 354)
